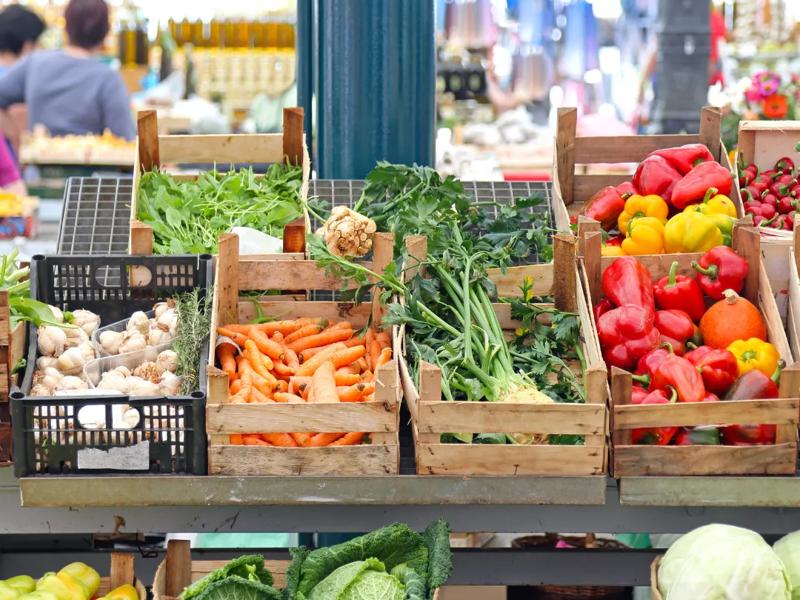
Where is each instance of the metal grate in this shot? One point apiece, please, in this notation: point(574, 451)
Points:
point(96, 218)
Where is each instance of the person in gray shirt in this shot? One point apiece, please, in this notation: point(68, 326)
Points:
point(69, 91)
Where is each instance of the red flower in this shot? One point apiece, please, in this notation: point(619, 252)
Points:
point(776, 106)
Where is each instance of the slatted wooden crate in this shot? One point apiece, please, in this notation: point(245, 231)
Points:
point(614, 154)
point(432, 416)
point(12, 347)
point(178, 570)
point(153, 150)
point(793, 309)
point(634, 460)
point(379, 418)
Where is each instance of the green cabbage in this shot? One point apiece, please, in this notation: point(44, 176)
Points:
point(721, 562)
point(243, 578)
point(788, 550)
point(360, 580)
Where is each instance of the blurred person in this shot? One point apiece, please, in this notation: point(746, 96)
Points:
point(69, 91)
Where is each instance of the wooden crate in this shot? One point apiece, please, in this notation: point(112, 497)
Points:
point(762, 143)
point(432, 416)
point(178, 570)
point(153, 150)
point(120, 573)
point(634, 460)
point(12, 347)
point(379, 417)
point(604, 156)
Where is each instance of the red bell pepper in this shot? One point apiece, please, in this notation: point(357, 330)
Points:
point(626, 334)
point(650, 362)
point(655, 175)
point(606, 206)
point(694, 185)
point(685, 158)
point(627, 281)
point(784, 165)
point(602, 308)
point(785, 222)
point(677, 329)
point(720, 269)
point(697, 436)
point(654, 436)
point(710, 397)
point(682, 376)
point(718, 368)
point(680, 292)
point(614, 240)
point(786, 204)
point(753, 385)
point(748, 174)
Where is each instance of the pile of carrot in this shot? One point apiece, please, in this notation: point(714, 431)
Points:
point(298, 361)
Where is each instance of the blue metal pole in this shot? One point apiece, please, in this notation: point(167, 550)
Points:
point(305, 60)
point(374, 85)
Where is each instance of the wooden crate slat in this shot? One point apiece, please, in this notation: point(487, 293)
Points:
point(500, 417)
point(585, 186)
point(779, 459)
point(290, 309)
point(625, 148)
point(686, 414)
point(221, 149)
point(508, 283)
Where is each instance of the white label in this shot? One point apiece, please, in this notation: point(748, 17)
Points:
point(130, 458)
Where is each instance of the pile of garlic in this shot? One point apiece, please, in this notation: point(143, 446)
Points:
point(64, 352)
point(151, 378)
point(142, 331)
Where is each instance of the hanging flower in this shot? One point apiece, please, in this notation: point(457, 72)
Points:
point(765, 84)
point(776, 106)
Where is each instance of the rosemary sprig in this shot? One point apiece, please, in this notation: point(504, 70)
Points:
point(194, 322)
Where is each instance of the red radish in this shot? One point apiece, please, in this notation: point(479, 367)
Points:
point(784, 164)
point(786, 204)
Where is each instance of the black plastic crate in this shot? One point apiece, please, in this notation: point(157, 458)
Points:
point(169, 437)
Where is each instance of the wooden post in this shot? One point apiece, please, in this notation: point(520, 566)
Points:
point(621, 384)
point(710, 129)
point(747, 243)
point(430, 390)
point(382, 256)
point(592, 264)
point(121, 569)
point(141, 238)
point(293, 135)
point(565, 275)
point(228, 279)
point(565, 151)
point(796, 245)
point(294, 236)
point(585, 225)
point(147, 126)
point(417, 250)
point(179, 567)
point(790, 388)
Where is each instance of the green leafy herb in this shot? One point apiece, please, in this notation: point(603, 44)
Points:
point(187, 217)
point(194, 321)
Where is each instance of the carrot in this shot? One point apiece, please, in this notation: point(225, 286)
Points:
point(272, 349)
point(234, 335)
point(282, 386)
point(374, 354)
point(291, 358)
point(354, 341)
point(383, 339)
point(349, 439)
point(341, 325)
point(369, 338)
point(277, 337)
point(282, 369)
point(304, 331)
point(308, 368)
point(288, 398)
point(265, 385)
point(311, 352)
point(296, 381)
point(254, 360)
point(362, 364)
point(385, 357)
point(243, 329)
point(301, 439)
point(284, 327)
point(324, 384)
point(329, 336)
point(367, 376)
point(279, 439)
point(323, 439)
point(348, 355)
point(236, 439)
point(227, 359)
point(254, 440)
point(346, 378)
point(351, 369)
point(235, 387)
point(242, 395)
point(355, 393)
point(259, 397)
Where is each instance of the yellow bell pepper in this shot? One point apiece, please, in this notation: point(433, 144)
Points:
point(24, 584)
point(645, 236)
point(7, 592)
point(85, 575)
point(755, 354)
point(611, 251)
point(63, 585)
point(714, 204)
point(40, 595)
point(691, 232)
point(123, 592)
point(637, 206)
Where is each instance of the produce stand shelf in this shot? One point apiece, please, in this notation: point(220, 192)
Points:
point(710, 491)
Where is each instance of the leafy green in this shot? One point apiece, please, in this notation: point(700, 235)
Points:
point(360, 580)
point(397, 548)
point(249, 568)
point(187, 217)
point(239, 588)
point(194, 321)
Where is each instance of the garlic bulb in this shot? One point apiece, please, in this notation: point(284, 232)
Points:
point(52, 340)
point(141, 387)
point(132, 343)
point(72, 360)
point(86, 320)
point(169, 320)
point(71, 383)
point(160, 307)
point(51, 377)
point(75, 336)
point(158, 335)
point(167, 360)
point(138, 321)
point(123, 369)
point(46, 361)
point(111, 341)
point(149, 371)
point(170, 384)
point(58, 316)
point(41, 390)
point(114, 380)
